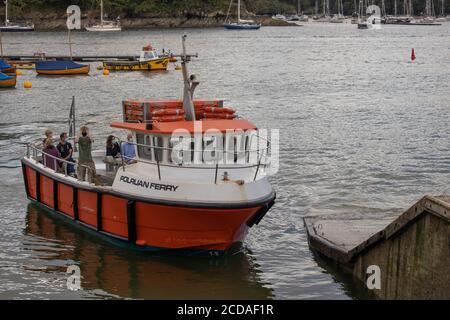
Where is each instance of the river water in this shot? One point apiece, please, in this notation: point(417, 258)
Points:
point(363, 134)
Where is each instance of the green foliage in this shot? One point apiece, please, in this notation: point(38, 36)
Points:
point(198, 8)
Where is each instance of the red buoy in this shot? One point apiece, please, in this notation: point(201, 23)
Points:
point(413, 55)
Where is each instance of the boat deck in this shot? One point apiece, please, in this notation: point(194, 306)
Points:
point(104, 177)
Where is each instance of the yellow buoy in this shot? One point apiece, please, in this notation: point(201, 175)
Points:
point(177, 67)
point(27, 84)
point(19, 72)
point(105, 72)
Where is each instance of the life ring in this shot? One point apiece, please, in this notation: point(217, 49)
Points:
point(208, 115)
point(217, 110)
point(168, 118)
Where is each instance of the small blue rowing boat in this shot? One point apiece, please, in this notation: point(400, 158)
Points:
point(5, 67)
point(62, 67)
point(7, 81)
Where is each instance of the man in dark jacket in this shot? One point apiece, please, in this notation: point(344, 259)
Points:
point(66, 151)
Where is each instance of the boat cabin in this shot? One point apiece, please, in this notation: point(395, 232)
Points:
point(208, 140)
point(148, 55)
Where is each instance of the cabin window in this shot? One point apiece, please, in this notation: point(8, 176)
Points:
point(144, 146)
point(234, 148)
point(148, 56)
point(208, 143)
point(158, 143)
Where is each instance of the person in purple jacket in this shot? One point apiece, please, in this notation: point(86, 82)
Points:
point(50, 152)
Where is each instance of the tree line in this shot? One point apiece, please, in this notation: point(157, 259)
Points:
point(204, 8)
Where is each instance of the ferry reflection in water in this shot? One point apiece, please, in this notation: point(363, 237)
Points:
point(128, 274)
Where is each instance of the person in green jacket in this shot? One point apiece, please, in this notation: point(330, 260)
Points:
point(86, 165)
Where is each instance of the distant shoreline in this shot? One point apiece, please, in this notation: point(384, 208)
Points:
point(47, 23)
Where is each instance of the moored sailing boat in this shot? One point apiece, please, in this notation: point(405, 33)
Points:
point(299, 17)
point(442, 17)
point(196, 183)
point(362, 21)
point(240, 24)
point(14, 27)
point(339, 17)
point(105, 25)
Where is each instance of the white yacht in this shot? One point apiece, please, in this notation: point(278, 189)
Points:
point(105, 25)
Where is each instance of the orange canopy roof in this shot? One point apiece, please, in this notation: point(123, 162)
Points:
point(191, 126)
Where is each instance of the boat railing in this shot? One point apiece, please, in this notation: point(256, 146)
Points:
point(261, 158)
point(34, 151)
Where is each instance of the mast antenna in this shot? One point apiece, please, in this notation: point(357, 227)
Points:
point(190, 83)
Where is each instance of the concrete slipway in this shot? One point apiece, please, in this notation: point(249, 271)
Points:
point(413, 251)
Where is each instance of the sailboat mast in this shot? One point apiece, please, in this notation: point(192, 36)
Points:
point(189, 84)
point(101, 12)
point(239, 11)
point(298, 7)
point(6, 13)
point(395, 8)
point(1, 45)
point(69, 35)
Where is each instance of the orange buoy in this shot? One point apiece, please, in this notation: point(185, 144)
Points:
point(105, 72)
point(413, 55)
point(27, 84)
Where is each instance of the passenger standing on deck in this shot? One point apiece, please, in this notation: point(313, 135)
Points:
point(128, 151)
point(112, 147)
point(85, 156)
point(65, 149)
point(48, 135)
point(51, 155)
point(112, 159)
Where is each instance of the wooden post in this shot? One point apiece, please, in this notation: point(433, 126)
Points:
point(70, 43)
point(1, 45)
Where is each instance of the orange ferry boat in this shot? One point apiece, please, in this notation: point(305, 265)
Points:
point(170, 197)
